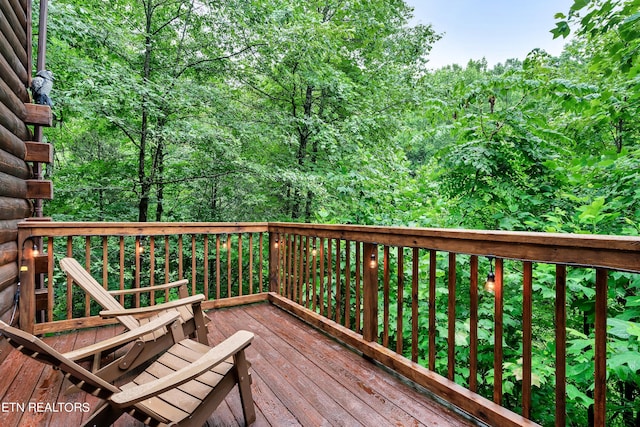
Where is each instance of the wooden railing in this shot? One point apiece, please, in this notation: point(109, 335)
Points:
point(414, 299)
point(411, 299)
point(222, 261)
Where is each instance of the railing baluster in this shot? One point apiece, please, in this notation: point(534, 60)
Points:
point(370, 293)
point(338, 285)
point(307, 272)
point(600, 374)
point(527, 316)
point(229, 262)
point(432, 309)
point(302, 258)
point(180, 258)
point(498, 331)
point(136, 273)
point(274, 263)
point(240, 264)
point(205, 268)
point(121, 242)
point(561, 343)
point(385, 296)
point(250, 263)
point(414, 307)
point(283, 262)
point(313, 280)
point(217, 266)
point(290, 242)
point(260, 263)
point(347, 285)
point(321, 296)
point(473, 323)
point(193, 265)
point(167, 255)
point(50, 284)
point(400, 302)
point(282, 265)
point(105, 262)
point(87, 266)
point(293, 285)
point(329, 271)
point(152, 266)
point(358, 292)
point(299, 270)
point(451, 321)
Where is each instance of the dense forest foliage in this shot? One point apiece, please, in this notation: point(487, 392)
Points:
point(319, 111)
point(327, 111)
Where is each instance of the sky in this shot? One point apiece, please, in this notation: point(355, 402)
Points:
point(494, 29)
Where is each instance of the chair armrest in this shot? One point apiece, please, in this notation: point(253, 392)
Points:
point(124, 338)
point(152, 309)
point(229, 347)
point(150, 288)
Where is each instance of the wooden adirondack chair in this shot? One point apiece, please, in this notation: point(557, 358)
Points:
point(181, 388)
point(191, 317)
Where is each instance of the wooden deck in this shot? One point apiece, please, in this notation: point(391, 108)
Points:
point(300, 377)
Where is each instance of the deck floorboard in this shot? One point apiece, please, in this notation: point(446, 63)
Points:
point(300, 377)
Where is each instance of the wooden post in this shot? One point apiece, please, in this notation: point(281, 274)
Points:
point(527, 334)
point(561, 345)
point(274, 276)
point(499, 328)
point(370, 294)
point(451, 315)
point(473, 325)
point(27, 281)
point(600, 392)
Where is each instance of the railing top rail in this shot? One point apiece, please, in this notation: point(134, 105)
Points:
point(50, 228)
point(612, 252)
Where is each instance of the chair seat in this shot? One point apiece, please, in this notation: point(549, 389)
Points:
point(176, 405)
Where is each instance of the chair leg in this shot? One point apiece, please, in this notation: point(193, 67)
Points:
point(244, 386)
point(200, 325)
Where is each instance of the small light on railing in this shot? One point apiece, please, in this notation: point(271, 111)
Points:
point(140, 245)
point(490, 284)
point(314, 251)
point(35, 251)
point(276, 244)
point(374, 262)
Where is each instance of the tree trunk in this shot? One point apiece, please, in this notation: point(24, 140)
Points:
point(303, 137)
point(158, 172)
point(145, 185)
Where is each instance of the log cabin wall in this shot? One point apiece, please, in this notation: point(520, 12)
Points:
point(18, 152)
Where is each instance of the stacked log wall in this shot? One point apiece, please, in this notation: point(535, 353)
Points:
point(15, 171)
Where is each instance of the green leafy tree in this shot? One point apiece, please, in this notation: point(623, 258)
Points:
point(333, 80)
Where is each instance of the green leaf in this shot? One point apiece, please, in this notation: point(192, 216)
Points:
point(579, 4)
point(630, 358)
point(561, 30)
point(574, 394)
point(622, 328)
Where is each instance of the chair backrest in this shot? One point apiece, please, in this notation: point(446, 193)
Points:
point(86, 281)
point(41, 351)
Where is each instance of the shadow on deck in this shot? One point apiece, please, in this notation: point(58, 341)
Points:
point(300, 377)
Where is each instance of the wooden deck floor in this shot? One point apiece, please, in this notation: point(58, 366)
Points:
point(300, 377)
